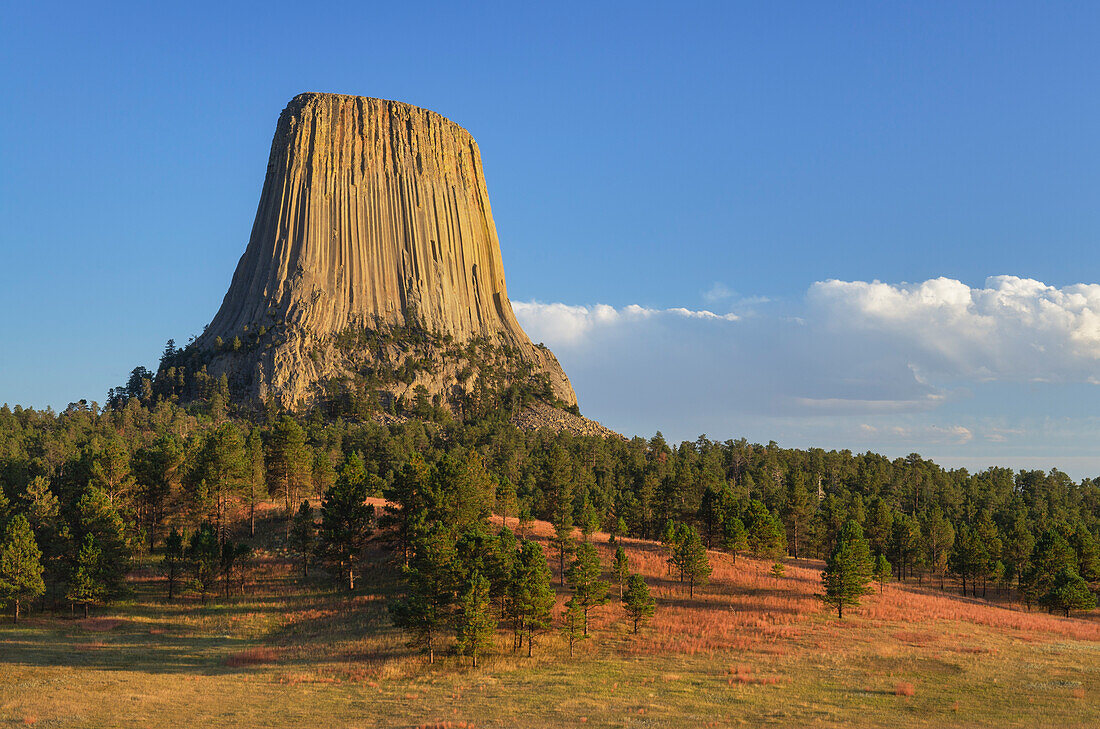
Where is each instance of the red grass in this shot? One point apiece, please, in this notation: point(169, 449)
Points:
point(904, 688)
point(252, 657)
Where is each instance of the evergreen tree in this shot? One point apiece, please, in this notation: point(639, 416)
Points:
point(557, 484)
point(1088, 553)
point(427, 606)
point(257, 474)
point(1018, 545)
point(621, 568)
point(218, 474)
point(530, 597)
point(1068, 591)
point(87, 585)
point(475, 623)
point(574, 624)
point(231, 554)
point(797, 510)
point(324, 475)
point(880, 526)
point(302, 535)
point(778, 570)
point(637, 602)
point(766, 537)
point(346, 524)
point(882, 571)
point(563, 540)
point(690, 556)
point(288, 463)
point(204, 555)
point(589, 590)
point(157, 469)
point(590, 519)
point(735, 537)
point(848, 569)
point(905, 543)
point(405, 514)
point(939, 538)
point(51, 534)
point(174, 560)
point(98, 517)
point(20, 565)
point(968, 557)
point(1051, 556)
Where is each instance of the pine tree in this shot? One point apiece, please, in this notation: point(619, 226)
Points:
point(621, 568)
point(204, 555)
point(589, 590)
point(405, 514)
point(20, 565)
point(1088, 553)
point(691, 558)
point(590, 519)
point(257, 474)
point(778, 570)
point(905, 543)
point(530, 597)
point(346, 524)
point(939, 538)
point(620, 530)
point(427, 606)
point(231, 554)
point(574, 624)
point(968, 558)
point(734, 536)
point(324, 475)
point(157, 469)
point(87, 586)
point(174, 560)
point(475, 623)
point(1052, 555)
point(880, 526)
point(219, 473)
point(288, 463)
point(1068, 591)
point(882, 571)
point(848, 569)
point(98, 517)
point(563, 540)
point(637, 602)
point(797, 510)
point(51, 533)
point(302, 535)
point(766, 534)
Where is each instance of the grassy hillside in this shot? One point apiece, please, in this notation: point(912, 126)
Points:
point(747, 649)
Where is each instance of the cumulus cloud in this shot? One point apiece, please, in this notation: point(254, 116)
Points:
point(934, 367)
point(1009, 329)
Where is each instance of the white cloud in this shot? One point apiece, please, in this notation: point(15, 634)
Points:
point(1013, 328)
point(937, 367)
point(718, 292)
point(569, 325)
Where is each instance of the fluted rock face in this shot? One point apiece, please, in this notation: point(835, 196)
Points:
point(373, 213)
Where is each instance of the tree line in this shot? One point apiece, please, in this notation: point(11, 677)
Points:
point(87, 491)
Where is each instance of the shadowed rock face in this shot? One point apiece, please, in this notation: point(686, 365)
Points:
point(373, 213)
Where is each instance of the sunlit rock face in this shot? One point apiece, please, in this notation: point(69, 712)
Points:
point(373, 214)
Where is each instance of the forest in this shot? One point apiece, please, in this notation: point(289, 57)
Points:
point(89, 494)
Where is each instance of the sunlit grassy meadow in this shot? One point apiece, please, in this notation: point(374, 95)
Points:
point(747, 649)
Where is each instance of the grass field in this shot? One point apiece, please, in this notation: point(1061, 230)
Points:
point(747, 650)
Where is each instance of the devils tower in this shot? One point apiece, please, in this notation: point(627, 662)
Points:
point(373, 263)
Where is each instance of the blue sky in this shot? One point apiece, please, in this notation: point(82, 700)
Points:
point(765, 162)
